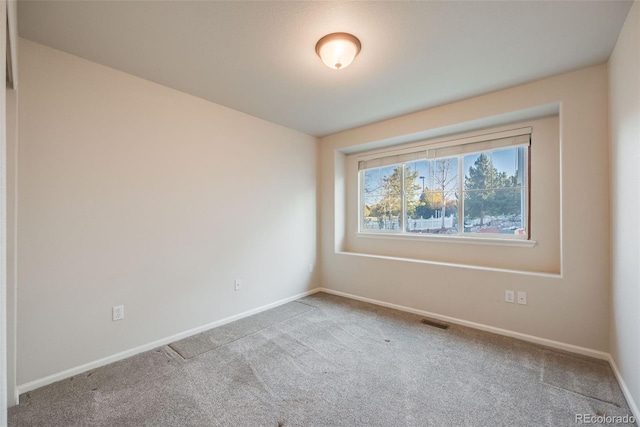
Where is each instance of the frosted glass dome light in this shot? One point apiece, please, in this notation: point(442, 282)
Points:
point(337, 50)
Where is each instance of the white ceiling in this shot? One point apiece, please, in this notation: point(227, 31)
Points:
point(259, 57)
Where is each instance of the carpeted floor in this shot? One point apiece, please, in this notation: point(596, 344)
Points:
point(330, 361)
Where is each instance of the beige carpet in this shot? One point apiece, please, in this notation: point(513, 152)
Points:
point(330, 361)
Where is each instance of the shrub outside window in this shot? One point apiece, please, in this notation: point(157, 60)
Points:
point(474, 188)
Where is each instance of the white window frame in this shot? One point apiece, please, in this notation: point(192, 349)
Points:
point(456, 147)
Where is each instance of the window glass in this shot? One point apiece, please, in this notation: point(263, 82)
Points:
point(494, 194)
point(477, 194)
point(382, 198)
point(433, 208)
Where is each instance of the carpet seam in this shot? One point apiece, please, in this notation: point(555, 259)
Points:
point(174, 351)
point(582, 395)
point(304, 303)
point(244, 336)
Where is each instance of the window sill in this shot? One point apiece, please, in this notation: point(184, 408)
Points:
point(491, 241)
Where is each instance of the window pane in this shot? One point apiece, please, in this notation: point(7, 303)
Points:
point(494, 192)
point(487, 189)
point(382, 198)
point(434, 209)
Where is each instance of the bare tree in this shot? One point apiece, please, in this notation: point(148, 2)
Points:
point(445, 176)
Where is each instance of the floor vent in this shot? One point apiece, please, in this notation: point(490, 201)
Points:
point(435, 323)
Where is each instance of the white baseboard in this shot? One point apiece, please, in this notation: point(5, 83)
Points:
point(525, 337)
point(625, 389)
point(543, 341)
point(23, 388)
point(41, 382)
point(538, 340)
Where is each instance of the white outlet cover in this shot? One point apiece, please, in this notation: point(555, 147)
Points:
point(237, 284)
point(509, 296)
point(118, 312)
point(522, 298)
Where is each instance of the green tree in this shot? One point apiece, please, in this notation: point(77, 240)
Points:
point(390, 205)
point(429, 202)
point(489, 192)
point(411, 190)
point(478, 185)
point(425, 207)
point(507, 197)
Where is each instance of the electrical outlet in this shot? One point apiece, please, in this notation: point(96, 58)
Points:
point(237, 284)
point(509, 296)
point(522, 298)
point(118, 312)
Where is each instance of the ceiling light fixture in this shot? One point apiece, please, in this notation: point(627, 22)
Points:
point(337, 50)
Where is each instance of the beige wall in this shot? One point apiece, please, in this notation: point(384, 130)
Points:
point(624, 81)
point(132, 193)
point(571, 307)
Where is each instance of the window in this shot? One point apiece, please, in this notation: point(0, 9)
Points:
point(475, 187)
